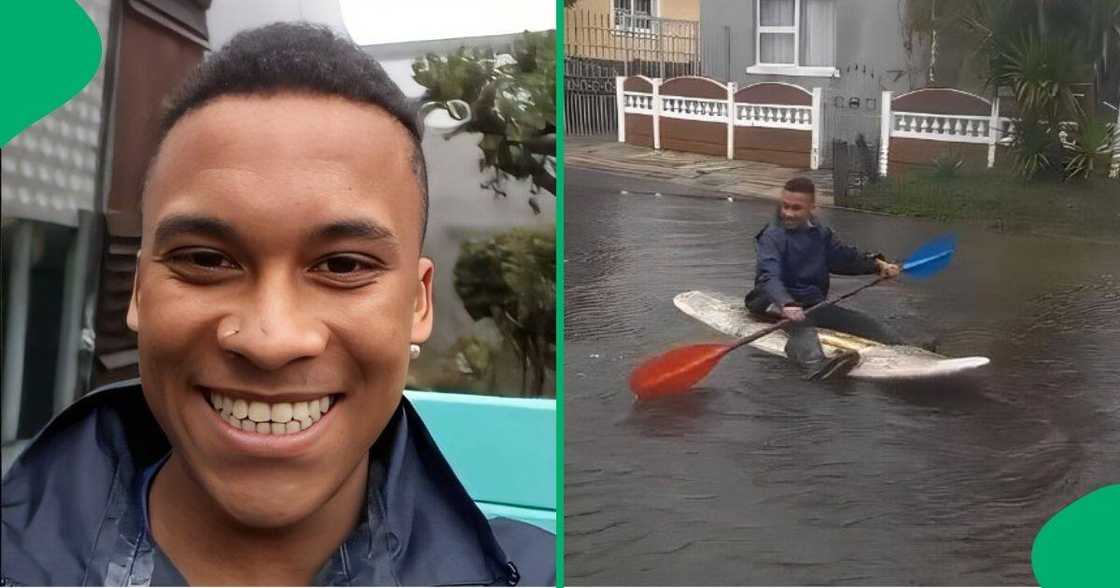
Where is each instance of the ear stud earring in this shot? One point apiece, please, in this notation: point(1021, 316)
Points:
point(413, 351)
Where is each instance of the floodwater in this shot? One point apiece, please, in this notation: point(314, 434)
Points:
point(762, 478)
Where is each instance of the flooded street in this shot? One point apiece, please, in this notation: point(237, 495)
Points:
point(762, 478)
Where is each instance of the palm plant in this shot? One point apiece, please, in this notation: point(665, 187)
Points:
point(1091, 143)
point(1041, 73)
point(1047, 54)
point(1035, 148)
point(948, 164)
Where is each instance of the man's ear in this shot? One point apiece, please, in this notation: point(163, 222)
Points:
point(422, 313)
point(132, 319)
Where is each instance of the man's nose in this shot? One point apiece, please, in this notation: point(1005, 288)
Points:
point(272, 328)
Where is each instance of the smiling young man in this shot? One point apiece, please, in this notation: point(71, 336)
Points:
point(796, 254)
point(280, 292)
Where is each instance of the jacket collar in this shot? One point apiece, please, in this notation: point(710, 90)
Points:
point(812, 224)
point(432, 528)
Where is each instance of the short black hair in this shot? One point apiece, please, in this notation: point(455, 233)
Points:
point(304, 58)
point(801, 185)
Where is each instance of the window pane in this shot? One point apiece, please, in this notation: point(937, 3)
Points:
point(818, 33)
point(776, 13)
point(622, 5)
point(643, 7)
point(776, 48)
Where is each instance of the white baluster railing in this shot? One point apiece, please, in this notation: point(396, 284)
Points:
point(638, 102)
point(940, 127)
point(687, 108)
point(778, 116)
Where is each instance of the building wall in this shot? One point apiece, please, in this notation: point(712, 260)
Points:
point(869, 34)
point(726, 38)
point(871, 56)
point(680, 9)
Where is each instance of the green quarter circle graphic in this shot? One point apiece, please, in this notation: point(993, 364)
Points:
point(52, 51)
point(1080, 545)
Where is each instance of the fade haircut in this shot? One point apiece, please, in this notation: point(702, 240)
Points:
point(801, 185)
point(299, 58)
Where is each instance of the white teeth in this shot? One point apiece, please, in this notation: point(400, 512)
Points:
point(281, 412)
point(281, 418)
point(240, 408)
point(259, 412)
point(300, 411)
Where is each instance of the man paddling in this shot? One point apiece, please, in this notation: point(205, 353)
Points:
point(796, 254)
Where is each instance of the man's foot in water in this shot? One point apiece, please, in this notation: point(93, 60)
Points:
point(835, 366)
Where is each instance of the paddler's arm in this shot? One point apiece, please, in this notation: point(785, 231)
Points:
point(770, 271)
point(847, 260)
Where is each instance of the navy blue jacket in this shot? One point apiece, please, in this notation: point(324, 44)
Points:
point(73, 510)
point(793, 266)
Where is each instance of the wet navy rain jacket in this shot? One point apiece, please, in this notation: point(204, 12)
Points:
point(73, 510)
point(793, 265)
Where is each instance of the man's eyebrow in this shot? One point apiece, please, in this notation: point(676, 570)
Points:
point(180, 224)
point(355, 229)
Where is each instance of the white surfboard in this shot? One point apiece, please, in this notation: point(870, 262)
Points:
point(878, 361)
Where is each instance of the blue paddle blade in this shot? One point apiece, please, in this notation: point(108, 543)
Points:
point(931, 257)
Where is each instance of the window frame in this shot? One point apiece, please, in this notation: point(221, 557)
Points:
point(789, 69)
point(655, 12)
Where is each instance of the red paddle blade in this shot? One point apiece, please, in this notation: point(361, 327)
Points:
point(675, 371)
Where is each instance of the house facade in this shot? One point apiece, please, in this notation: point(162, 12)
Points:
point(653, 37)
point(639, 9)
point(852, 49)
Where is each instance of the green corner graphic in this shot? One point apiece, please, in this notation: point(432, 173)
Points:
point(1080, 546)
point(51, 51)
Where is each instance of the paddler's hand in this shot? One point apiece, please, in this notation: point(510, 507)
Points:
point(887, 270)
point(793, 313)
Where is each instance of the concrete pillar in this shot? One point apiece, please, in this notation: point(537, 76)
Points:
point(15, 328)
point(885, 133)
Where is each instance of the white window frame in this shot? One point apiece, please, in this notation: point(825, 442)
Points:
point(787, 69)
point(654, 7)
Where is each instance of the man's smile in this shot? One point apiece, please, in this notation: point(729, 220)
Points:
point(243, 412)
